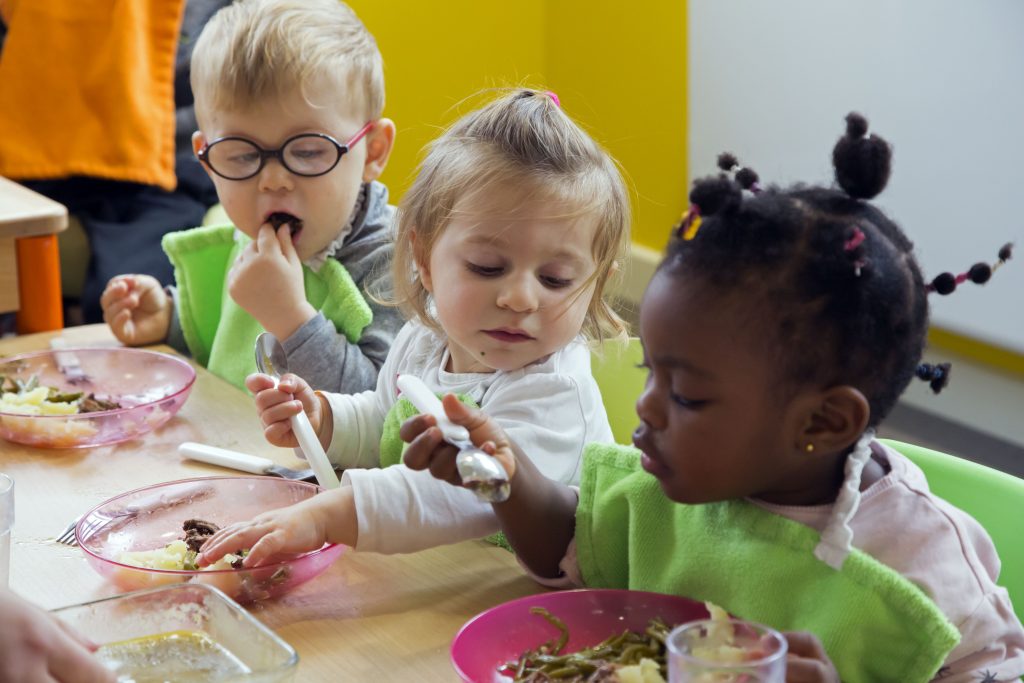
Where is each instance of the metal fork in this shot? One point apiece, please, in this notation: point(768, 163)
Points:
point(67, 537)
point(146, 504)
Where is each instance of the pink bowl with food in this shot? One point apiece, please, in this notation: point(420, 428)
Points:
point(117, 394)
point(148, 522)
point(501, 634)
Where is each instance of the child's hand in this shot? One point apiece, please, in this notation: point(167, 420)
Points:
point(137, 309)
point(807, 661)
point(266, 280)
point(277, 404)
point(299, 528)
point(428, 450)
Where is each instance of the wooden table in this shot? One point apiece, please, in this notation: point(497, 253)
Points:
point(368, 618)
point(29, 262)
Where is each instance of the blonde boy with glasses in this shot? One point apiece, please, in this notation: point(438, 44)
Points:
point(289, 97)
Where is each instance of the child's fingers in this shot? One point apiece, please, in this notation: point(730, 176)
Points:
point(257, 382)
point(805, 644)
point(117, 315)
point(266, 240)
point(230, 539)
point(266, 548)
point(442, 464)
point(280, 412)
point(293, 384)
point(115, 289)
point(284, 240)
point(481, 427)
point(800, 670)
point(414, 426)
point(421, 448)
point(280, 434)
point(807, 661)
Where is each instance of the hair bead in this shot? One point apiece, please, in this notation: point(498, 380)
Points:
point(979, 273)
point(937, 375)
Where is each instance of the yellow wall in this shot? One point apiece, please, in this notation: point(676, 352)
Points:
point(620, 71)
point(436, 54)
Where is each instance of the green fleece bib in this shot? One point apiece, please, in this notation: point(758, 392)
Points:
point(875, 624)
point(220, 334)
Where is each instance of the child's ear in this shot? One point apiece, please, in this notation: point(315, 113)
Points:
point(198, 141)
point(422, 264)
point(833, 420)
point(379, 143)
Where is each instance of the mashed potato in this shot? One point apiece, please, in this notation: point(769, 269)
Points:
point(174, 555)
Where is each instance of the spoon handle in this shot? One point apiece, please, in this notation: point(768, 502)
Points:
point(314, 452)
point(413, 388)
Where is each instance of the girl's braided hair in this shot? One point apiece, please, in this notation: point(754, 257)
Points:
point(829, 281)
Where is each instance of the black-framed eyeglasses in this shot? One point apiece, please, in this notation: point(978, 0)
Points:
point(308, 155)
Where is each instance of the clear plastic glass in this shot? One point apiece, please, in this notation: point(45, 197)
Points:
point(257, 653)
point(726, 651)
point(6, 524)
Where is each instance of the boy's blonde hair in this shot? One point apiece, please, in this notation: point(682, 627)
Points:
point(254, 49)
point(523, 137)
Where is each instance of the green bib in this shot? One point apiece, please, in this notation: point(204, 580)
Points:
point(875, 624)
point(220, 334)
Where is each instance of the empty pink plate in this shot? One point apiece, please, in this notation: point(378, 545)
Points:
point(502, 633)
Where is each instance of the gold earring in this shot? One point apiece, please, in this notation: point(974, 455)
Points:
point(809, 448)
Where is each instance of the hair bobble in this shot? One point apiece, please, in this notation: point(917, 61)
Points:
point(746, 177)
point(979, 274)
point(937, 376)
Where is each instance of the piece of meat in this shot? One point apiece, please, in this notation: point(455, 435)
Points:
point(197, 532)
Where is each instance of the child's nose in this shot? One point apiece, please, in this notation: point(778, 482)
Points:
point(274, 176)
point(519, 294)
point(649, 408)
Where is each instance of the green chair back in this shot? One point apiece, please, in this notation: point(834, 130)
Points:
point(994, 498)
point(620, 379)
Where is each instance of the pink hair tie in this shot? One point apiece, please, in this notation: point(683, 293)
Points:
point(855, 240)
point(554, 98)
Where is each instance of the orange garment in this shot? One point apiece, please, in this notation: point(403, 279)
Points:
point(87, 88)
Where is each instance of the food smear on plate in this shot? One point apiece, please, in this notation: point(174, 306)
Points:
point(173, 656)
point(181, 554)
point(28, 397)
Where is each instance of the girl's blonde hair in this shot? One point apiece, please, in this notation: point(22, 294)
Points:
point(254, 49)
point(525, 138)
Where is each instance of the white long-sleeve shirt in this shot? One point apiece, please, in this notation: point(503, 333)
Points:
point(551, 409)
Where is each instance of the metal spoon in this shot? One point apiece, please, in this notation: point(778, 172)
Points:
point(480, 472)
point(272, 360)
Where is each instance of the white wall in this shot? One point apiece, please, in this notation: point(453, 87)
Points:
point(942, 80)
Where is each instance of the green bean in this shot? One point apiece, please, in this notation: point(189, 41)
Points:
point(547, 662)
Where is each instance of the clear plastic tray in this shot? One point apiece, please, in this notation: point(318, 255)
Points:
point(194, 609)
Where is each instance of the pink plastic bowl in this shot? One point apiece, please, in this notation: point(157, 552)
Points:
point(151, 386)
point(151, 517)
point(503, 633)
